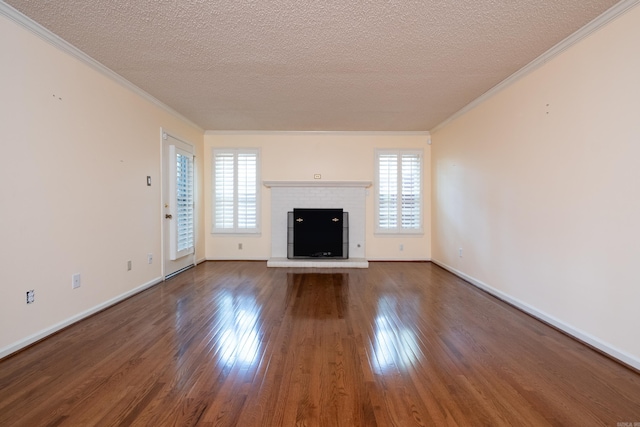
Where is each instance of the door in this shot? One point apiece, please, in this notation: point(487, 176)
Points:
point(178, 230)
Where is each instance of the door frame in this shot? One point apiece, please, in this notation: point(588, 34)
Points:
point(164, 237)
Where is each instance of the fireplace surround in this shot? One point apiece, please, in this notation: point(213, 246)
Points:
point(347, 195)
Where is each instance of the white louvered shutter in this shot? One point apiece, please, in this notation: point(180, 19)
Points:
point(182, 227)
point(236, 195)
point(247, 191)
point(399, 197)
point(224, 189)
point(388, 191)
point(411, 199)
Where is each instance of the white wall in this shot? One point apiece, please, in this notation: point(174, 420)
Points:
point(76, 150)
point(540, 187)
point(337, 156)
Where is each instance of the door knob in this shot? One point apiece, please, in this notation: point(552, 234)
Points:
point(168, 216)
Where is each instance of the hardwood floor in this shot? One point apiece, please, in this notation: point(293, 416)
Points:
point(236, 343)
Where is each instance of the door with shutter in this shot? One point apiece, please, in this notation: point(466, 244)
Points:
point(178, 231)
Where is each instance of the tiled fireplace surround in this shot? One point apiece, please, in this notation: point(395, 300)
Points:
point(346, 195)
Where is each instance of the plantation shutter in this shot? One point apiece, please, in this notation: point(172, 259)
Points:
point(247, 191)
point(388, 191)
point(399, 197)
point(224, 177)
point(236, 196)
point(411, 204)
point(181, 187)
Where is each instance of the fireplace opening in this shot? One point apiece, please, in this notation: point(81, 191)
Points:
point(318, 233)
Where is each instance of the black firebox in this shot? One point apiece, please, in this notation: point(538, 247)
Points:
point(318, 233)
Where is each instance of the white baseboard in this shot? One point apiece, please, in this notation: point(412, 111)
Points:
point(399, 259)
point(576, 333)
point(73, 319)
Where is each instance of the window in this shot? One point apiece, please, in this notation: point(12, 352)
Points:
point(399, 191)
point(181, 194)
point(235, 191)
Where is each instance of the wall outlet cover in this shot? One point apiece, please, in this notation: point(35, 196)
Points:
point(75, 281)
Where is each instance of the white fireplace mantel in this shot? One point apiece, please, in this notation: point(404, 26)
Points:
point(317, 183)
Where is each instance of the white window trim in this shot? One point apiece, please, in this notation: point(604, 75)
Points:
point(397, 231)
point(236, 231)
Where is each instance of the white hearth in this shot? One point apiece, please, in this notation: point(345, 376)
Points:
point(349, 196)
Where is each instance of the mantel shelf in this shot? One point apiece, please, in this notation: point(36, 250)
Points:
point(317, 183)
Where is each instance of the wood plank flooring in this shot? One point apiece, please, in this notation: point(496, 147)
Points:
point(240, 344)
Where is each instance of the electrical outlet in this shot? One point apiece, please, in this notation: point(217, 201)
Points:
point(460, 252)
point(31, 296)
point(128, 265)
point(75, 281)
point(317, 176)
point(239, 245)
point(150, 258)
point(401, 247)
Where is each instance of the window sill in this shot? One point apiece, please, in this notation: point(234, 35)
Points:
point(417, 233)
point(236, 234)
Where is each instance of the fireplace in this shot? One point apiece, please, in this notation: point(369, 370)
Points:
point(350, 196)
point(317, 233)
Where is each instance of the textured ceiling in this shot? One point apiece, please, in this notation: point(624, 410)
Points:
point(396, 65)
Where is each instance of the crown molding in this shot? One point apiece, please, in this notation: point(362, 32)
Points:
point(318, 132)
point(56, 41)
point(611, 14)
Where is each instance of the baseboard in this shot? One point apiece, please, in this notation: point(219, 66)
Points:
point(368, 259)
point(576, 333)
point(4, 352)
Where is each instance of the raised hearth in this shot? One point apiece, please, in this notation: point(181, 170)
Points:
point(289, 195)
point(319, 263)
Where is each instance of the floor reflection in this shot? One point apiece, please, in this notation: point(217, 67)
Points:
point(237, 318)
point(395, 345)
point(318, 295)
